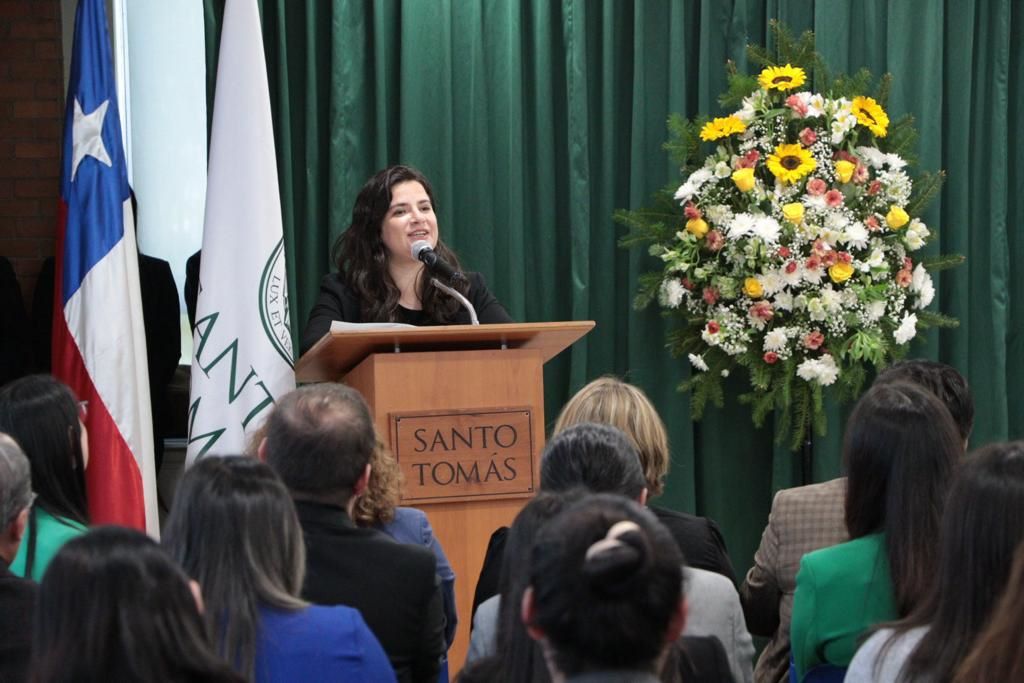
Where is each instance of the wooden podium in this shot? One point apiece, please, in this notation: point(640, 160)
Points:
point(462, 409)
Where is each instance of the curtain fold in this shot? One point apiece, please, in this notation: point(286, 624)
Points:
point(535, 120)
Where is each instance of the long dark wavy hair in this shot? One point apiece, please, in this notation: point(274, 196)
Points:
point(114, 607)
point(41, 414)
point(982, 526)
point(900, 450)
point(362, 259)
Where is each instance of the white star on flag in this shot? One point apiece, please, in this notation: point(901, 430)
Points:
point(86, 134)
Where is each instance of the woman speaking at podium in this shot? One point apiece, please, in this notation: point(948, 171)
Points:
point(387, 259)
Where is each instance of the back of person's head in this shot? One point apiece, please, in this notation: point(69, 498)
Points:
point(41, 414)
point(597, 457)
point(900, 451)
point(114, 607)
point(233, 528)
point(606, 587)
point(517, 656)
point(383, 491)
point(982, 526)
point(15, 482)
point(942, 380)
point(998, 653)
point(609, 400)
point(319, 440)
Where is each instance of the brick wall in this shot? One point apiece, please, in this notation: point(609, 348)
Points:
point(31, 117)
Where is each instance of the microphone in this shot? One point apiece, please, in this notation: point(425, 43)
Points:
point(422, 251)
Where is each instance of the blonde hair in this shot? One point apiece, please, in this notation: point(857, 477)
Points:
point(383, 492)
point(609, 400)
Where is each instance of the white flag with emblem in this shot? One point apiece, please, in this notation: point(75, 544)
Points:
point(242, 356)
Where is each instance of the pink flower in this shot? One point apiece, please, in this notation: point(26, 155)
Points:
point(814, 340)
point(830, 258)
point(748, 160)
point(816, 187)
point(808, 137)
point(714, 240)
point(875, 187)
point(713, 327)
point(685, 282)
point(762, 310)
point(784, 252)
point(813, 263)
point(771, 358)
point(710, 296)
point(797, 105)
point(691, 212)
point(819, 247)
point(861, 174)
point(872, 223)
point(845, 257)
point(843, 155)
point(834, 198)
point(791, 267)
point(907, 263)
point(904, 278)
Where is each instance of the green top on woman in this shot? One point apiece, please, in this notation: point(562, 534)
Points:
point(51, 533)
point(841, 592)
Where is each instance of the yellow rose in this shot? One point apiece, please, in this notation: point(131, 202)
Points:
point(697, 227)
point(845, 169)
point(896, 218)
point(794, 212)
point(744, 179)
point(752, 288)
point(840, 272)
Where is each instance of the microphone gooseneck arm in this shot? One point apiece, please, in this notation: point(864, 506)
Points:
point(458, 296)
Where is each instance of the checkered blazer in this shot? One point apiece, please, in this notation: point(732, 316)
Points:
point(802, 519)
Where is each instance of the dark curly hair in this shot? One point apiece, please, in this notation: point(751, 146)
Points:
point(362, 259)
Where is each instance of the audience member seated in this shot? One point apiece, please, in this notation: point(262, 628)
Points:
point(611, 401)
point(233, 528)
point(17, 595)
point(982, 525)
point(605, 598)
point(811, 517)
point(320, 439)
point(601, 459)
point(510, 655)
point(998, 652)
point(378, 508)
point(900, 451)
point(114, 607)
point(43, 416)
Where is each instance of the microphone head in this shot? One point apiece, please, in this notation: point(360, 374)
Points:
point(420, 246)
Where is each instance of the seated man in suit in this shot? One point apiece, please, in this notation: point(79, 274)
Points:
point(17, 595)
point(808, 518)
point(320, 439)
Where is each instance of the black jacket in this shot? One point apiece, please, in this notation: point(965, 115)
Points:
point(337, 302)
point(393, 585)
point(17, 604)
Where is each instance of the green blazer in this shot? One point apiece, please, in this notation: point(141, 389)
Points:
point(841, 592)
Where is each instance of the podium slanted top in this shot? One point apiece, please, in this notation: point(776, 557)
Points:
point(337, 352)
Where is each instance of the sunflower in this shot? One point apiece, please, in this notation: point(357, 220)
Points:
point(871, 115)
point(790, 163)
point(782, 77)
point(721, 128)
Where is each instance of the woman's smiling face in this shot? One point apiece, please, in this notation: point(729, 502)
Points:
point(410, 218)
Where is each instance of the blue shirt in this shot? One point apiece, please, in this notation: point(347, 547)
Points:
point(319, 644)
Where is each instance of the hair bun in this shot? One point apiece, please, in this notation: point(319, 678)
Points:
point(611, 563)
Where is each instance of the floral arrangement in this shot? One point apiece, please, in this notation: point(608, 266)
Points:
point(791, 248)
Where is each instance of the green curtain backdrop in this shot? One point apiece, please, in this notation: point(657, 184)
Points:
point(535, 119)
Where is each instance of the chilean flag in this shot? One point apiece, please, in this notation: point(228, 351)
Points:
point(99, 343)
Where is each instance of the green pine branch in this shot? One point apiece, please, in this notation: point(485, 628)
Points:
point(927, 319)
point(942, 262)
